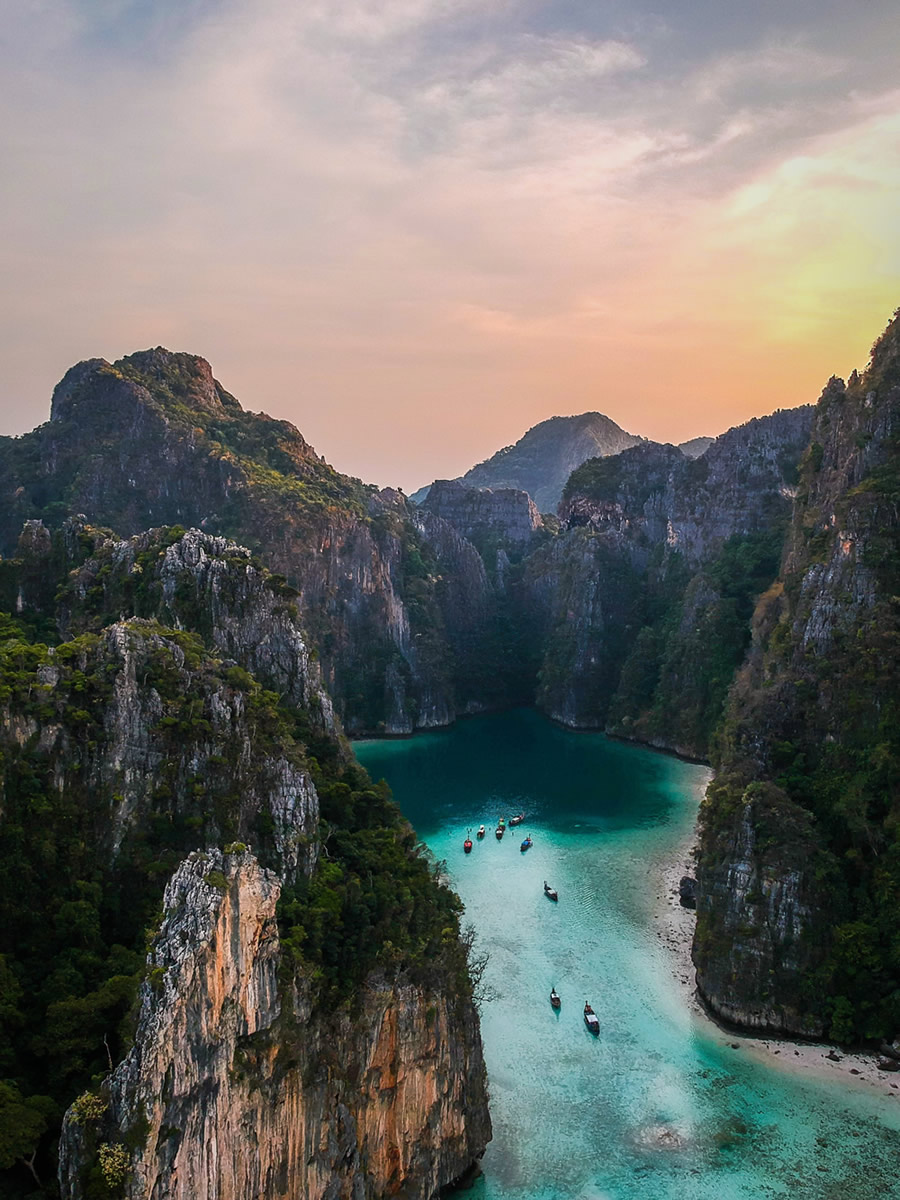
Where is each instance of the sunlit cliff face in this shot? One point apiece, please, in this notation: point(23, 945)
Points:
point(417, 227)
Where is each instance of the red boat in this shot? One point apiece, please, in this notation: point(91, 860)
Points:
point(467, 845)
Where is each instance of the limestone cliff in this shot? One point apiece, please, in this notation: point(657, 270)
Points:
point(193, 580)
point(542, 459)
point(502, 516)
point(796, 899)
point(154, 440)
point(122, 750)
point(242, 1088)
point(139, 727)
point(648, 591)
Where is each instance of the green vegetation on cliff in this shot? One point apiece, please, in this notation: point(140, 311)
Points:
point(122, 749)
point(695, 631)
point(816, 714)
point(154, 440)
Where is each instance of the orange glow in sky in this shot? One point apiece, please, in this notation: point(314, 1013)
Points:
point(418, 227)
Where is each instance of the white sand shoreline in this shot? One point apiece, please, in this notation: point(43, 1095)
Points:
point(675, 930)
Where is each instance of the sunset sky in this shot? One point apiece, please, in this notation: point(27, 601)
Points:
point(417, 227)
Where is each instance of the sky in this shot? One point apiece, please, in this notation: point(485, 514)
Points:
point(415, 228)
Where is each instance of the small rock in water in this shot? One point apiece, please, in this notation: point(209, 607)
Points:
point(735, 1046)
point(659, 1137)
point(853, 1071)
point(834, 1057)
point(687, 892)
point(797, 1052)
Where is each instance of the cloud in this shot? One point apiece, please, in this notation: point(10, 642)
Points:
point(380, 216)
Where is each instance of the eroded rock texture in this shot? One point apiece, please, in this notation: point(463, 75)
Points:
point(154, 440)
point(241, 1088)
point(796, 889)
point(647, 593)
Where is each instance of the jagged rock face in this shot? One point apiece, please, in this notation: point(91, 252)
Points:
point(626, 498)
point(468, 607)
point(247, 1091)
point(815, 711)
point(761, 913)
point(578, 592)
point(154, 440)
point(203, 582)
point(746, 478)
point(657, 498)
point(542, 460)
point(122, 750)
point(651, 622)
point(479, 514)
point(170, 741)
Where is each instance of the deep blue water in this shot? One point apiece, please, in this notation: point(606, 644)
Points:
point(658, 1107)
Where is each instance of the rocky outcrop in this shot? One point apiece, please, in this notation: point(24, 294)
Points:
point(542, 460)
point(317, 1000)
point(761, 912)
point(241, 1088)
point(148, 729)
point(496, 515)
point(155, 440)
point(663, 559)
point(812, 722)
point(198, 581)
point(657, 498)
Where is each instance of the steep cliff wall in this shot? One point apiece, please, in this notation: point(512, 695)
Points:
point(579, 592)
point(154, 440)
point(242, 1088)
point(140, 727)
point(813, 721)
point(122, 750)
point(188, 580)
point(684, 546)
point(482, 515)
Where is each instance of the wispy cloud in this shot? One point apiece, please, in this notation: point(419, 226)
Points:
point(440, 215)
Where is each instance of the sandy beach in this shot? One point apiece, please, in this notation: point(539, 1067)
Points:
point(675, 929)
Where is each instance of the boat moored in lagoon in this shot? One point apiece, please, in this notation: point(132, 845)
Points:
point(591, 1019)
point(467, 845)
point(517, 820)
point(555, 1001)
point(480, 832)
point(500, 830)
point(549, 892)
point(527, 844)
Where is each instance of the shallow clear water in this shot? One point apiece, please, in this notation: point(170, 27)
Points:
point(658, 1107)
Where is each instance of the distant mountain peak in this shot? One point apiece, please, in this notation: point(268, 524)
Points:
point(544, 457)
point(170, 377)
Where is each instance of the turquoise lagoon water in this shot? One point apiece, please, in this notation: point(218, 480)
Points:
point(658, 1107)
